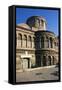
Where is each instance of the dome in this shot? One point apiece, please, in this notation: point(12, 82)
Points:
point(37, 22)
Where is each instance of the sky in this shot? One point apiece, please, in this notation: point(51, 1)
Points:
point(51, 16)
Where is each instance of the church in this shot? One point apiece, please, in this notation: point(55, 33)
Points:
point(35, 45)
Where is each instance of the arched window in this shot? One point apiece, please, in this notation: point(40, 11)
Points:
point(44, 61)
point(37, 42)
point(19, 40)
point(51, 43)
point(49, 60)
point(29, 41)
point(42, 42)
point(33, 39)
point(19, 37)
point(47, 42)
point(29, 38)
point(36, 23)
point(25, 41)
point(25, 37)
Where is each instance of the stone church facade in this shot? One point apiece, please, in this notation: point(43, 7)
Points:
point(35, 46)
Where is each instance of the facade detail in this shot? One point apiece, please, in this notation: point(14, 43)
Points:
point(35, 46)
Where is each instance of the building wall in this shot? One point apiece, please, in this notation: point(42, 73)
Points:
point(41, 48)
point(35, 47)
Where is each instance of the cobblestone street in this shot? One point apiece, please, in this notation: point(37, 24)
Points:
point(41, 74)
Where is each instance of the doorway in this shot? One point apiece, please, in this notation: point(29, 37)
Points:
point(38, 60)
point(26, 63)
point(44, 60)
point(49, 60)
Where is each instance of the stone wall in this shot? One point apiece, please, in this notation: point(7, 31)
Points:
point(37, 47)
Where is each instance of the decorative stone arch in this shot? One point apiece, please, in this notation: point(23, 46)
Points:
point(41, 24)
point(25, 40)
point(51, 42)
point(49, 60)
point(29, 41)
point(19, 36)
point(19, 39)
point(33, 39)
point(47, 42)
point(37, 23)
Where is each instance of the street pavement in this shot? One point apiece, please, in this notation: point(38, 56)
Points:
point(40, 74)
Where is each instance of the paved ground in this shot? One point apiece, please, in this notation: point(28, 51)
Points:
point(40, 74)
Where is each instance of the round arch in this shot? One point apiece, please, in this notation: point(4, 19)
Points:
point(29, 41)
point(25, 40)
point(47, 42)
point(19, 40)
point(51, 42)
point(49, 60)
